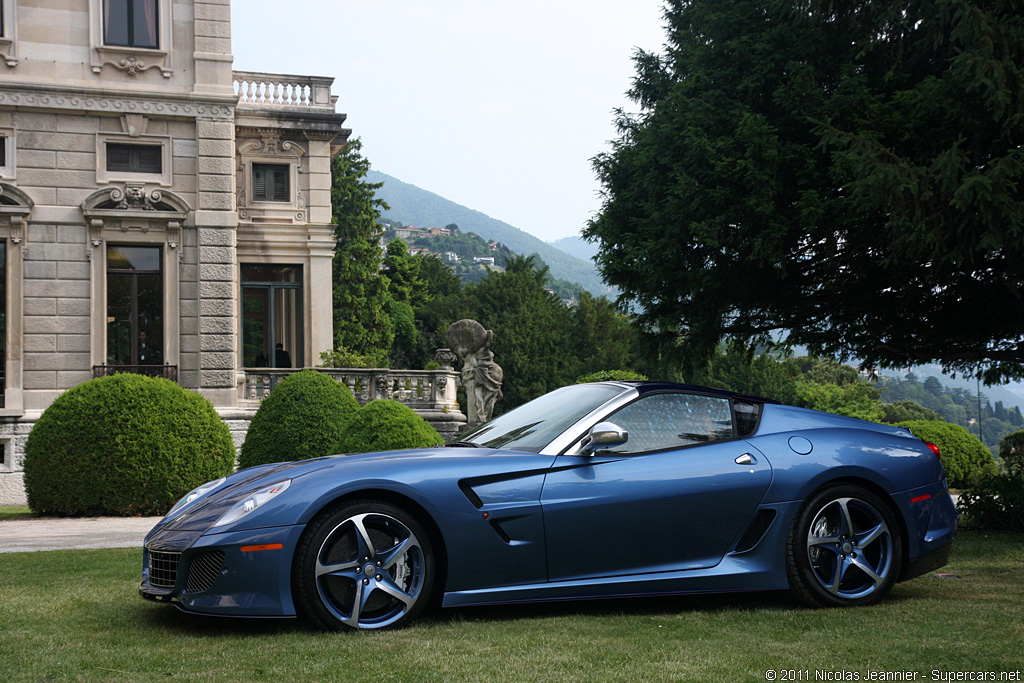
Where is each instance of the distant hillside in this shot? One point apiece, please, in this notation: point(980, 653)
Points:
point(576, 246)
point(411, 205)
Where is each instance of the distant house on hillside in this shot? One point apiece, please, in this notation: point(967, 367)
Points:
point(419, 251)
point(484, 260)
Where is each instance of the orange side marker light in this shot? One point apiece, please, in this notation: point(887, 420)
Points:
point(256, 548)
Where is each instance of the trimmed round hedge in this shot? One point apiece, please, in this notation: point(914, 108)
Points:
point(964, 457)
point(386, 425)
point(123, 445)
point(302, 418)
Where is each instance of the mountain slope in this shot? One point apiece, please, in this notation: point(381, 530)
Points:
point(576, 246)
point(414, 206)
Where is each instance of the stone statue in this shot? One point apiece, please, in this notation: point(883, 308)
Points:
point(480, 374)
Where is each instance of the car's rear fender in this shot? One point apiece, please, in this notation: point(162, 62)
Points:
point(803, 461)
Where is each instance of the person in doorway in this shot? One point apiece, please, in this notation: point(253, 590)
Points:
point(281, 357)
point(149, 354)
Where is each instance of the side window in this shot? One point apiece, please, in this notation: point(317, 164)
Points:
point(663, 421)
point(131, 23)
point(270, 183)
point(134, 158)
point(3, 151)
point(746, 417)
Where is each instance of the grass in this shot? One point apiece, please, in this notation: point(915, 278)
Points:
point(16, 512)
point(76, 616)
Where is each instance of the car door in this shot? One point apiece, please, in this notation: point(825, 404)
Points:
point(675, 496)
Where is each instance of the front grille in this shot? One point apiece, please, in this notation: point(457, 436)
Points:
point(163, 568)
point(203, 570)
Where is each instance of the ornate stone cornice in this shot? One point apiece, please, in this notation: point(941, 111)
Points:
point(117, 104)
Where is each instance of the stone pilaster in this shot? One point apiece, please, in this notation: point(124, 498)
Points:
point(217, 277)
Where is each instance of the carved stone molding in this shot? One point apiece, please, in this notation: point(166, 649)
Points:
point(134, 207)
point(92, 103)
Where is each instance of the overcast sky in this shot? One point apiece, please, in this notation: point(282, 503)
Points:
point(496, 105)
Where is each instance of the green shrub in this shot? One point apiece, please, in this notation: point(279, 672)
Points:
point(609, 376)
point(123, 445)
point(385, 425)
point(996, 502)
point(302, 418)
point(964, 457)
point(1011, 453)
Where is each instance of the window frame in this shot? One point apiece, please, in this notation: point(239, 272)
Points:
point(135, 158)
point(289, 170)
point(675, 447)
point(270, 287)
point(9, 32)
point(130, 21)
point(160, 272)
point(104, 175)
point(8, 171)
point(132, 59)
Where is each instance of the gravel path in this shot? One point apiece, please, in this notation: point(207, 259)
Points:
point(25, 535)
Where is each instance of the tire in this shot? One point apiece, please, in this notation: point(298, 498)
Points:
point(363, 565)
point(845, 548)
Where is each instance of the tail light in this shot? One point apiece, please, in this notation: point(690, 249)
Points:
point(934, 449)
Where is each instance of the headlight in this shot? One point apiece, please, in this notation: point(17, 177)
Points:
point(253, 501)
point(194, 494)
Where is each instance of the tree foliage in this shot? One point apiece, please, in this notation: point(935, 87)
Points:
point(852, 173)
point(361, 297)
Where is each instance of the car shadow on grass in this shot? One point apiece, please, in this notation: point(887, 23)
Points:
point(169, 618)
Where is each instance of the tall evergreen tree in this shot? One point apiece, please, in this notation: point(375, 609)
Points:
point(852, 173)
point(361, 298)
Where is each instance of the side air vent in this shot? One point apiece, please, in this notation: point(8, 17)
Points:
point(755, 530)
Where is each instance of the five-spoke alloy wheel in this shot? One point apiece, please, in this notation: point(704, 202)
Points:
point(844, 548)
point(363, 565)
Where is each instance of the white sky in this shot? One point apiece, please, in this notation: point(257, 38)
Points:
point(496, 105)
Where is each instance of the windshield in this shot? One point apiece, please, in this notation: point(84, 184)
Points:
point(533, 425)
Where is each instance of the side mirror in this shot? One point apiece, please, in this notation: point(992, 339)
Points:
point(604, 435)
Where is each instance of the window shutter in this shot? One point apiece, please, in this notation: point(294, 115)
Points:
point(270, 182)
point(281, 193)
point(149, 159)
point(259, 182)
point(119, 157)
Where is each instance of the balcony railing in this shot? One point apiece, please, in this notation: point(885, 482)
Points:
point(421, 390)
point(166, 371)
point(260, 90)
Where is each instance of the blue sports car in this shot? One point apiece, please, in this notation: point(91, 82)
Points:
point(592, 491)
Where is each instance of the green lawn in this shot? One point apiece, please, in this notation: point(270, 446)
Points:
point(75, 615)
point(16, 512)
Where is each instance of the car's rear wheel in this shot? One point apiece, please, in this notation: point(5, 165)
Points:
point(363, 565)
point(844, 548)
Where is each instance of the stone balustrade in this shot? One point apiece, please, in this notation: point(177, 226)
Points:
point(431, 393)
point(259, 90)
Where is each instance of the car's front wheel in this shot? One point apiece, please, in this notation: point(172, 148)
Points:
point(844, 548)
point(363, 565)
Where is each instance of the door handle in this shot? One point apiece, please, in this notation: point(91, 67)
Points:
point(746, 459)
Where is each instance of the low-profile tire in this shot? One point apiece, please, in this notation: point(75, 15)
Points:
point(363, 565)
point(845, 548)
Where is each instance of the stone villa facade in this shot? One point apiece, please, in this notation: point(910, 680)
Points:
point(158, 209)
